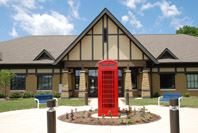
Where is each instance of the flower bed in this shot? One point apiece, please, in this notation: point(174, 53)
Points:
point(126, 117)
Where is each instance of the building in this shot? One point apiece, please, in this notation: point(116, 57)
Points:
point(148, 64)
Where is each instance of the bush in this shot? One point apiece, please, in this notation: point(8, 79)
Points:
point(43, 92)
point(56, 94)
point(186, 95)
point(28, 95)
point(2, 95)
point(16, 95)
point(156, 94)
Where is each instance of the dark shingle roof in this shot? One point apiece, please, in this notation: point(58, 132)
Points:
point(24, 50)
point(184, 47)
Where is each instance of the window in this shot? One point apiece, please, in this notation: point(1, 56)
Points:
point(134, 74)
point(44, 82)
point(93, 73)
point(77, 79)
point(167, 55)
point(192, 80)
point(105, 34)
point(18, 82)
point(44, 56)
point(167, 81)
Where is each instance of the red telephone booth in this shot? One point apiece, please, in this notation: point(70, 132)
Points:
point(108, 88)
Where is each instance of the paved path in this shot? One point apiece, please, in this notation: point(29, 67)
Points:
point(94, 102)
point(34, 121)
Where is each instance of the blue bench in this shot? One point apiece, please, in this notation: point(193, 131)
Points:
point(43, 98)
point(166, 97)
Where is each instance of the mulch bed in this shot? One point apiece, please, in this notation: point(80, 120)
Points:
point(132, 117)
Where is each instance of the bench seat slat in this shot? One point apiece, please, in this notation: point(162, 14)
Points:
point(166, 97)
point(43, 98)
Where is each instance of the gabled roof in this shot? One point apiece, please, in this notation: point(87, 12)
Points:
point(86, 30)
point(24, 50)
point(167, 54)
point(45, 53)
point(184, 47)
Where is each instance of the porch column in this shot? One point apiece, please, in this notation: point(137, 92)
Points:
point(127, 82)
point(66, 84)
point(145, 84)
point(82, 84)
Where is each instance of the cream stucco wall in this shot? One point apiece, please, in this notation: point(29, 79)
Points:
point(113, 47)
point(98, 47)
point(75, 53)
point(97, 29)
point(124, 46)
point(86, 48)
point(112, 28)
point(136, 53)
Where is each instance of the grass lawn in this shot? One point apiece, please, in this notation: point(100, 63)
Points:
point(185, 102)
point(27, 103)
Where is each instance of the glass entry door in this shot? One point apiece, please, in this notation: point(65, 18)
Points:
point(93, 83)
point(120, 83)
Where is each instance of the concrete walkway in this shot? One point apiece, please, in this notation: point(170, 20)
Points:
point(94, 102)
point(34, 121)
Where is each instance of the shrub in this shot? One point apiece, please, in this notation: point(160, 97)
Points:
point(28, 95)
point(2, 95)
point(156, 94)
point(186, 95)
point(56, 94)
point(43, 92)
point(16, 95)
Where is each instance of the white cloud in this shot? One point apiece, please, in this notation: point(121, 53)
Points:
point(147, 6)
point(3, 2)
point(43, 24)
point(132, 20)
point(132, 4)
point(29, 4)
point(74, 5)
point(125, 18)
point(35, 23)
point(14, 33)
point(180, 22)
point(169, 10)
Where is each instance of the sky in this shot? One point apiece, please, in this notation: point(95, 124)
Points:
point(20, 18)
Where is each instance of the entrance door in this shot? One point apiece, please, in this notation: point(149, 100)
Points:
point(120, 83)
point(93, 83)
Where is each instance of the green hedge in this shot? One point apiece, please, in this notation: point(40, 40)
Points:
point(30, 94)
point(2, 95)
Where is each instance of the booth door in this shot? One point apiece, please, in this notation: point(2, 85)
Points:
point(93, 83)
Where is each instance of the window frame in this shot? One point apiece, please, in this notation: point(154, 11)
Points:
point(44, 74)
point(75, 78)
point(105, 35)
point(11, 83)
point(168, 88)
point(136, 83)
point(187, 86)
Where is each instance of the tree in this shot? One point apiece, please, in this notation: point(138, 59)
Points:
point(189, 30)
point(5, 79)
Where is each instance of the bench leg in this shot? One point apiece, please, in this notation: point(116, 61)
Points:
point(38, 105)
point(158, 101)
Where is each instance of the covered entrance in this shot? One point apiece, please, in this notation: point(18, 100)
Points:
point(93, 83)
